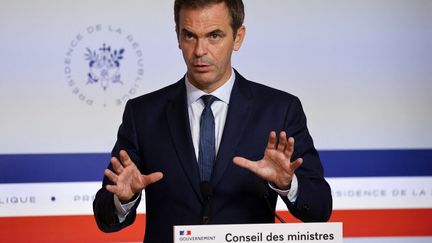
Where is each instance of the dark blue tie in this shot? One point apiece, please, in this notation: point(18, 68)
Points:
point(207, 151)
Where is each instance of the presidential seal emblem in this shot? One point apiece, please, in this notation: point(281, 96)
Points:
point(103, 66)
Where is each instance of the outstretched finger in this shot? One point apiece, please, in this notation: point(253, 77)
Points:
point(117, 166)
point(111, 176)
point(289, 150)
point(271, 143)
point(282, 141)
point(125, 159)
point(111, 188)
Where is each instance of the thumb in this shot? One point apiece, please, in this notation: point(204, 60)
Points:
point(242, 162)
point(239, 161)
point(152, 178)
point(247, 164)
point(296, 164)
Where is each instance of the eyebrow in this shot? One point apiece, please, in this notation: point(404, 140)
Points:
point(216, 31)
point(185, 31)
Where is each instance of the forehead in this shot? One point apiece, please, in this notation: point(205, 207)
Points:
point(203, 18)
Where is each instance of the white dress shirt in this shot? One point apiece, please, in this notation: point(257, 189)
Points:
point(219, 108)
point(220, 111)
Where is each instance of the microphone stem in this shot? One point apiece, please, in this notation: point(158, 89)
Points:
point(274, 212)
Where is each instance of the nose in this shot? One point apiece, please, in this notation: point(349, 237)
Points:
point(200, 48)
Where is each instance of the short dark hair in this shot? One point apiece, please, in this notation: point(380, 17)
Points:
point(235, 8)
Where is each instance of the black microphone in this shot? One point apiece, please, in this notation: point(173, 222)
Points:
point(207, 194)
point(263, 192)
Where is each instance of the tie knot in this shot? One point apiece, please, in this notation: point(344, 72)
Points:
point(208, 100)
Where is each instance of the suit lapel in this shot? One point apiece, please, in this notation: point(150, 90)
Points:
point(237, 117)
point(178, 122)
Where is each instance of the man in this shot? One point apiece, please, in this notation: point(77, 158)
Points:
point(168, 137)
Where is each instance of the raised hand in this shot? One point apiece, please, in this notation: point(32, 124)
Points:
point(276, 165)
point(127, 179)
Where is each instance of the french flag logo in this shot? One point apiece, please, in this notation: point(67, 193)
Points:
point(185, 232)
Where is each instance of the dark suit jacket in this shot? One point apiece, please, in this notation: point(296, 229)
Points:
point(155, 132)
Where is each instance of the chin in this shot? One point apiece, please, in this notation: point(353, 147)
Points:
point(202, 78)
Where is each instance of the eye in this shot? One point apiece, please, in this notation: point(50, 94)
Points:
point(215, 36)
point(188, 36)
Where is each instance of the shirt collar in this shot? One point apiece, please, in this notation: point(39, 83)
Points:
point(223, 93)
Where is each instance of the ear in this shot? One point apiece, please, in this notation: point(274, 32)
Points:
point(241, 32)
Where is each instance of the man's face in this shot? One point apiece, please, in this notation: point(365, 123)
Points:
point(206, 39)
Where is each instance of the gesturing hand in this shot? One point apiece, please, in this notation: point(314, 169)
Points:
point(276, 165)
point(127, 179)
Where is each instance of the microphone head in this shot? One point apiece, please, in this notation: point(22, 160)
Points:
point(206, 190)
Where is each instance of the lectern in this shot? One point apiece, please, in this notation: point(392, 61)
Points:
point(260, 233)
